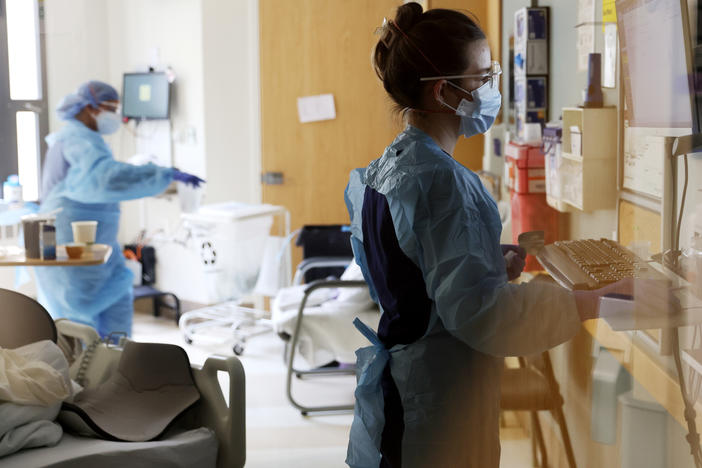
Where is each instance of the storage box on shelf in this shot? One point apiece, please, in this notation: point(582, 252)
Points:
point(531, 67)
point(555, 180)
point(526, 179)
point(524, 168)
point(590, 178)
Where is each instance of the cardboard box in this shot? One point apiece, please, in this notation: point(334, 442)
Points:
point(531, 41)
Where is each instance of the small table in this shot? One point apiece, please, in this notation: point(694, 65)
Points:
point(96, 254)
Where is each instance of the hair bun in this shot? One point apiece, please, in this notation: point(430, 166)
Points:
point(408, 15)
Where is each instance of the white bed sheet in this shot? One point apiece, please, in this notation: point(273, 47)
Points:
point(327, 331)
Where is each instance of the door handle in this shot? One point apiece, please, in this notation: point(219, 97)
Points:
point(272, 178)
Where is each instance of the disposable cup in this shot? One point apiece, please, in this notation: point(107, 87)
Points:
point(84, 231)
point(190, 197)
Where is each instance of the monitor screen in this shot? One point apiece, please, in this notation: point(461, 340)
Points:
point(656, 63)
point(145, 96)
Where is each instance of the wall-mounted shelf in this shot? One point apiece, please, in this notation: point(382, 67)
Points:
point(572, 157)
point(589, 180)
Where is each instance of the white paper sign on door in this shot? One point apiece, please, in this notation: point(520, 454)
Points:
point(316, 108)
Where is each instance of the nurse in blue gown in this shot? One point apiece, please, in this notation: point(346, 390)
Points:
point(81, 177)
point(426, 235)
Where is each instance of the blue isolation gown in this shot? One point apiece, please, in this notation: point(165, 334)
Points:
point(426, 235)
point(83, 179)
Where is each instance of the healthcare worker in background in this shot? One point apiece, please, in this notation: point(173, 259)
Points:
point(81, 177)
point(426, 235)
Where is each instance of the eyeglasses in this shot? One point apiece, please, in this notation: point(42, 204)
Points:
point(492, 77)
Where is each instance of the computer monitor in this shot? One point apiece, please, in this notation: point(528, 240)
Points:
point(659, 90)
point(145, 96)
point(657, 59)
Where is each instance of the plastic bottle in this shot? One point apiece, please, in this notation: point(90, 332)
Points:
point(12, 190)
point(48, 240)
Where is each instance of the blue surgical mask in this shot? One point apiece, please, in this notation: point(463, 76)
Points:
point(478, 115)
point(107, 122)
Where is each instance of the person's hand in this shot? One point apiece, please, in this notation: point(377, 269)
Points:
point(651, 297)
point(186, 178)
point(514, 260)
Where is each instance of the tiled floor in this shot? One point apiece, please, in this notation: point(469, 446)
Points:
point(277, 435)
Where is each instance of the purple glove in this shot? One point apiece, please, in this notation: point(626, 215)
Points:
point(514, 260)
point(186, 178)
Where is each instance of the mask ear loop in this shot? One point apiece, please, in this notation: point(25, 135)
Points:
point(437, 95)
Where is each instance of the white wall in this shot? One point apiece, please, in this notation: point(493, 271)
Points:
point(232, 118)
point(76, 47)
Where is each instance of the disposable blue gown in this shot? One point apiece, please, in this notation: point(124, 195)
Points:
point(93, 186)
point(444, 410)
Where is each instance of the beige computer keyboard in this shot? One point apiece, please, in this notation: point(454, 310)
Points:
point(592, 264)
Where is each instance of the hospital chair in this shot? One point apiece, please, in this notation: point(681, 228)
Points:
point(225, 417)
point(324, 370)
point(309, 322)
point(533, 387)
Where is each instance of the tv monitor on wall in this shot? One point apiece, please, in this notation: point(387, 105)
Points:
point(145, 96)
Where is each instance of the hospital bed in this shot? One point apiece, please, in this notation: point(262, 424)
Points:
point(210, 433)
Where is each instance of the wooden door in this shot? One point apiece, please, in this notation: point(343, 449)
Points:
point(311, 47)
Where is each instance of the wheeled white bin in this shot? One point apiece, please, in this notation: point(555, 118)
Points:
point(217, 254)
point(215, 259)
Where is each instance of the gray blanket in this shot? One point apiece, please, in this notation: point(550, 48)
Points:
point(193, 448)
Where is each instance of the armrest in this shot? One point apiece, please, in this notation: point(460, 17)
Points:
point(229, 423)
point(319, 262)
point(322, 284)
point(84, 333)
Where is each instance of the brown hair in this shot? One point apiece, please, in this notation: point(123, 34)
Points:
point(418, 44)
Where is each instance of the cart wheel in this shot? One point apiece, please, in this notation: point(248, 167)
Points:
point(238, 349)
point(188, 339)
